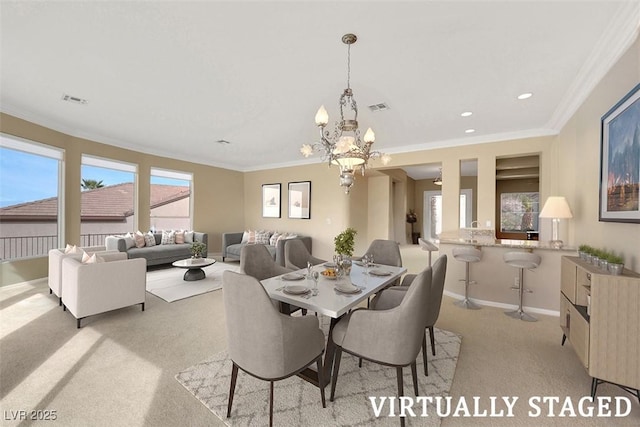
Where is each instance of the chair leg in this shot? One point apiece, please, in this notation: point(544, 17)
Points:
point(232, 388)
point(336, 368)
point(424, 355)
point(433, 340)
point(400, 389)
point(142, 306)
point(359, 362)
point(78, 323)
point(50, 291)
point(321, 381)
point(60, 302)
point(414, 376)
point(270, 403)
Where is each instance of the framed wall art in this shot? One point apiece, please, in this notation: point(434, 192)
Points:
point(620, 161)
point(271, 200)
point(300, 200)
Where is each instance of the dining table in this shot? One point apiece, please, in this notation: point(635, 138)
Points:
point(329, 300)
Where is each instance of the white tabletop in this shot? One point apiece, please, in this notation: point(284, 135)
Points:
point(328, 301)
point(194, 262)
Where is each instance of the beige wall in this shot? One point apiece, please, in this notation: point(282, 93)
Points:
point(218, 192)
point(579, 164)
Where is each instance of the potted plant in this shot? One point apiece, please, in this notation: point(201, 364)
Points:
point(198, 249)
point(616, 264)
point(344, 245)
point(583, 251)
point(412, 218)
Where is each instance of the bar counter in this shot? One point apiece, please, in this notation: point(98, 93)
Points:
point(495, 278)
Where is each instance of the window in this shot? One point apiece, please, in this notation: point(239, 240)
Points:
point(171, 202)
point(519, 212)
point(433, 212)
point(30, 203)
point(108, 199)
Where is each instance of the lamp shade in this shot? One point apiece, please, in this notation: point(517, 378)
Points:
point(556, 207)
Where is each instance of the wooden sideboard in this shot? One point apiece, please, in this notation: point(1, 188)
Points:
point(600, 316)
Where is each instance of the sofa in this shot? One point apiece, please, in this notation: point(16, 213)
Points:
point(158, 254)
point(232, 244)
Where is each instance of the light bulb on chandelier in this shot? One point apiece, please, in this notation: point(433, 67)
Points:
point(344, 147)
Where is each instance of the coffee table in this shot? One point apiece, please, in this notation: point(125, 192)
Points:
point(194, 267)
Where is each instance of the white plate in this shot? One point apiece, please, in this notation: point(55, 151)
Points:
point(293, 276)
point(379, 272)
point(295, 290)
point(359, 263)
point(329, 265)
point(347, 288)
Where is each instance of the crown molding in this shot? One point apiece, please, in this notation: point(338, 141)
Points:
point(615, 41)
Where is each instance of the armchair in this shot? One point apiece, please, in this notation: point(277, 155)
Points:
point(55, 267)
point(389, 337)
point(267, 345)
point(97, 288)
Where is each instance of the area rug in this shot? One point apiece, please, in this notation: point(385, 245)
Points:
point(169, 284)
point(297, 402)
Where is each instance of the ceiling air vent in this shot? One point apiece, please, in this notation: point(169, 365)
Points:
point(223, 141)
point(74, 99)
point(379, 107)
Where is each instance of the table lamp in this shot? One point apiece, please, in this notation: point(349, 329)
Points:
point(556, 208)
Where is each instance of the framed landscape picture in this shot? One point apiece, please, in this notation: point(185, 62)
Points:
point(271, 200)
point(620, 161)
point(300, 200)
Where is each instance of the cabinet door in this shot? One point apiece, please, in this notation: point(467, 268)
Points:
point(579, 335)
point(568, 279)
point(565, 315)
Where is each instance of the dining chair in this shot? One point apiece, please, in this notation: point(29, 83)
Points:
point(388, 337)
point(267, 345)
point(296, 255)
point(386, 252)
point(392, 297)
point(256, 261)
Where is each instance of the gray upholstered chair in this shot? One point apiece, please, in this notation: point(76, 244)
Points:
point(266, 344)
point(296, 255)
point(392, 297)
point(256, 261)
point(386, 252)
point(389, 337)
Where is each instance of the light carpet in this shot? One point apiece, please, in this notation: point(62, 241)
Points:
point(169, 284)
point(297, 402)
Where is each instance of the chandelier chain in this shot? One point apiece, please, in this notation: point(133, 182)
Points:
point(349, 66)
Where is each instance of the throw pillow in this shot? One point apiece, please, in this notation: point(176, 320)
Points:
point(262, 237)
point(91, 259)
point(273, 240)
point(129, 241)
point(252, 237)
point(188, 237)
point(69, 249)
point(291, 236)
point(180, 236)
point(168, 237)
point(149, 239)
point(139, 239)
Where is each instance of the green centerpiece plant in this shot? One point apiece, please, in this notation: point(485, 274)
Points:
point(198, 249)
point(344, 246)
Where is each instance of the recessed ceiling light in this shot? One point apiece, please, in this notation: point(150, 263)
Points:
point(525, 95)
point(223, 141)
point(466, 114)
point(469, 131)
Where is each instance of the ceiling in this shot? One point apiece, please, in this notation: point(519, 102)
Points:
point(172, 78)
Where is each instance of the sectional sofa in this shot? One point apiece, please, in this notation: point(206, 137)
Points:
point(158, 254)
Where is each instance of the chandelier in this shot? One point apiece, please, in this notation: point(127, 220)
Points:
point(344, 147)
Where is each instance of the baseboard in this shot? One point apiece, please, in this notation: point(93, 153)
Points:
point(505, 306)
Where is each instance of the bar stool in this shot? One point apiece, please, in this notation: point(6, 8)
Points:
point(467, 255)
point(521, 260)
point(426, 245)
